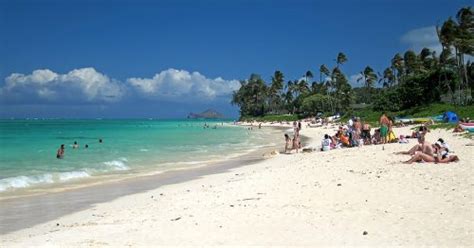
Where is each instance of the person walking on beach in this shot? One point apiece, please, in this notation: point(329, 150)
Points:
point(60, 152)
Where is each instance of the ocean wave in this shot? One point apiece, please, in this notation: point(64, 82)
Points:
point(117, 164)
point(48, 178)
point(67, 176)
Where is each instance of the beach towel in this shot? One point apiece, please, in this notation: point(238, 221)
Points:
point(391, 137)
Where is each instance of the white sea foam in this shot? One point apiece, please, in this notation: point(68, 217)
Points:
point(117, 164)
point(144, 150)
point(48, 178)
point(67, 176)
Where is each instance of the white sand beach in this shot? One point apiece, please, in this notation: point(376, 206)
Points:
point(358, 196)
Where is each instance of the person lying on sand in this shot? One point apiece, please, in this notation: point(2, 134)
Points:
point(422, 157)
point(422, 146)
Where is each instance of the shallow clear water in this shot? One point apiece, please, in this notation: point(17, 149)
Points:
point(28, 148)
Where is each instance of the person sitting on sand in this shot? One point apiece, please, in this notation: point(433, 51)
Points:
point(443, 144)
point(422, 146)
point(440, 150)
point(376, 139)
point(458, 129)
point(422, 131)
point(422, 157)
point(344, 140)
point(366, 133)
point(287, 143)
point(326, 143)
point(60, 152)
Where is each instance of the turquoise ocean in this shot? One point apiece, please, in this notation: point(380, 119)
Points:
point(130, 147)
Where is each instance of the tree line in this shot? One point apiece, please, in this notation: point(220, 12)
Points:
point(412, 79)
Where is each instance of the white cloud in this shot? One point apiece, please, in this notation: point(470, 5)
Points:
point(85, 84)
point(181, 85)
point(353, 81)
point(419, 38)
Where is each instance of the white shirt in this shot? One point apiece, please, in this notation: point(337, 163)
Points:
point(350, 123)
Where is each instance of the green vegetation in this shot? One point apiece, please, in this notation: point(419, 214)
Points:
point(270, 118)
point(372, 116)
point(412, 85)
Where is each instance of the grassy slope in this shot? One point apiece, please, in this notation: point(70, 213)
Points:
point(373, 116)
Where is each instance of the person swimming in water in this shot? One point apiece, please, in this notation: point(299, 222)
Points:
point(60, 152)
point(75, 145)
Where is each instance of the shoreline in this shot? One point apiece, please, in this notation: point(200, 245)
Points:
point(359, 196)
point(30, 206)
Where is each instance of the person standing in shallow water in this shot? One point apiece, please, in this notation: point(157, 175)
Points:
point(60, 152)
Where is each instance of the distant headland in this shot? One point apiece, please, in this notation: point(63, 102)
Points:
point(208, 114)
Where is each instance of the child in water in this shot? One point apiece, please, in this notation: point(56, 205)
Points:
point(60, 152)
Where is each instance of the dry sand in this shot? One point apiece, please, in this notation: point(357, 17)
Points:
point(359, 196)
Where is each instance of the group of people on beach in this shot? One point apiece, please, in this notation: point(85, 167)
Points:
point(357, 133)
point(61, 150)
point(295, 142)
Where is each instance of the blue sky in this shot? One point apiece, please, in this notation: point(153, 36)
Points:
point(167, 58)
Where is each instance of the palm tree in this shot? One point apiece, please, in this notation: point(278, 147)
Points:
point(411, 62)
point(308, 75)
point(341, 59)
point(302, 87)
point(464, 41)
point(388, 78)
point(289, 96)
point(398, 65)
point(369, 77)
point(275, 90)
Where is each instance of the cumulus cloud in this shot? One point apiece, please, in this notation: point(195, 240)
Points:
point(86, 85)
point(419, 38)
point(353, 81)
point(181, 85)
point(79, 85)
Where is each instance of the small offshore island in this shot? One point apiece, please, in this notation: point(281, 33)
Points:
point(343, 155)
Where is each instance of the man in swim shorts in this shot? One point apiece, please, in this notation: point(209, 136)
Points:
point(384, 124)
